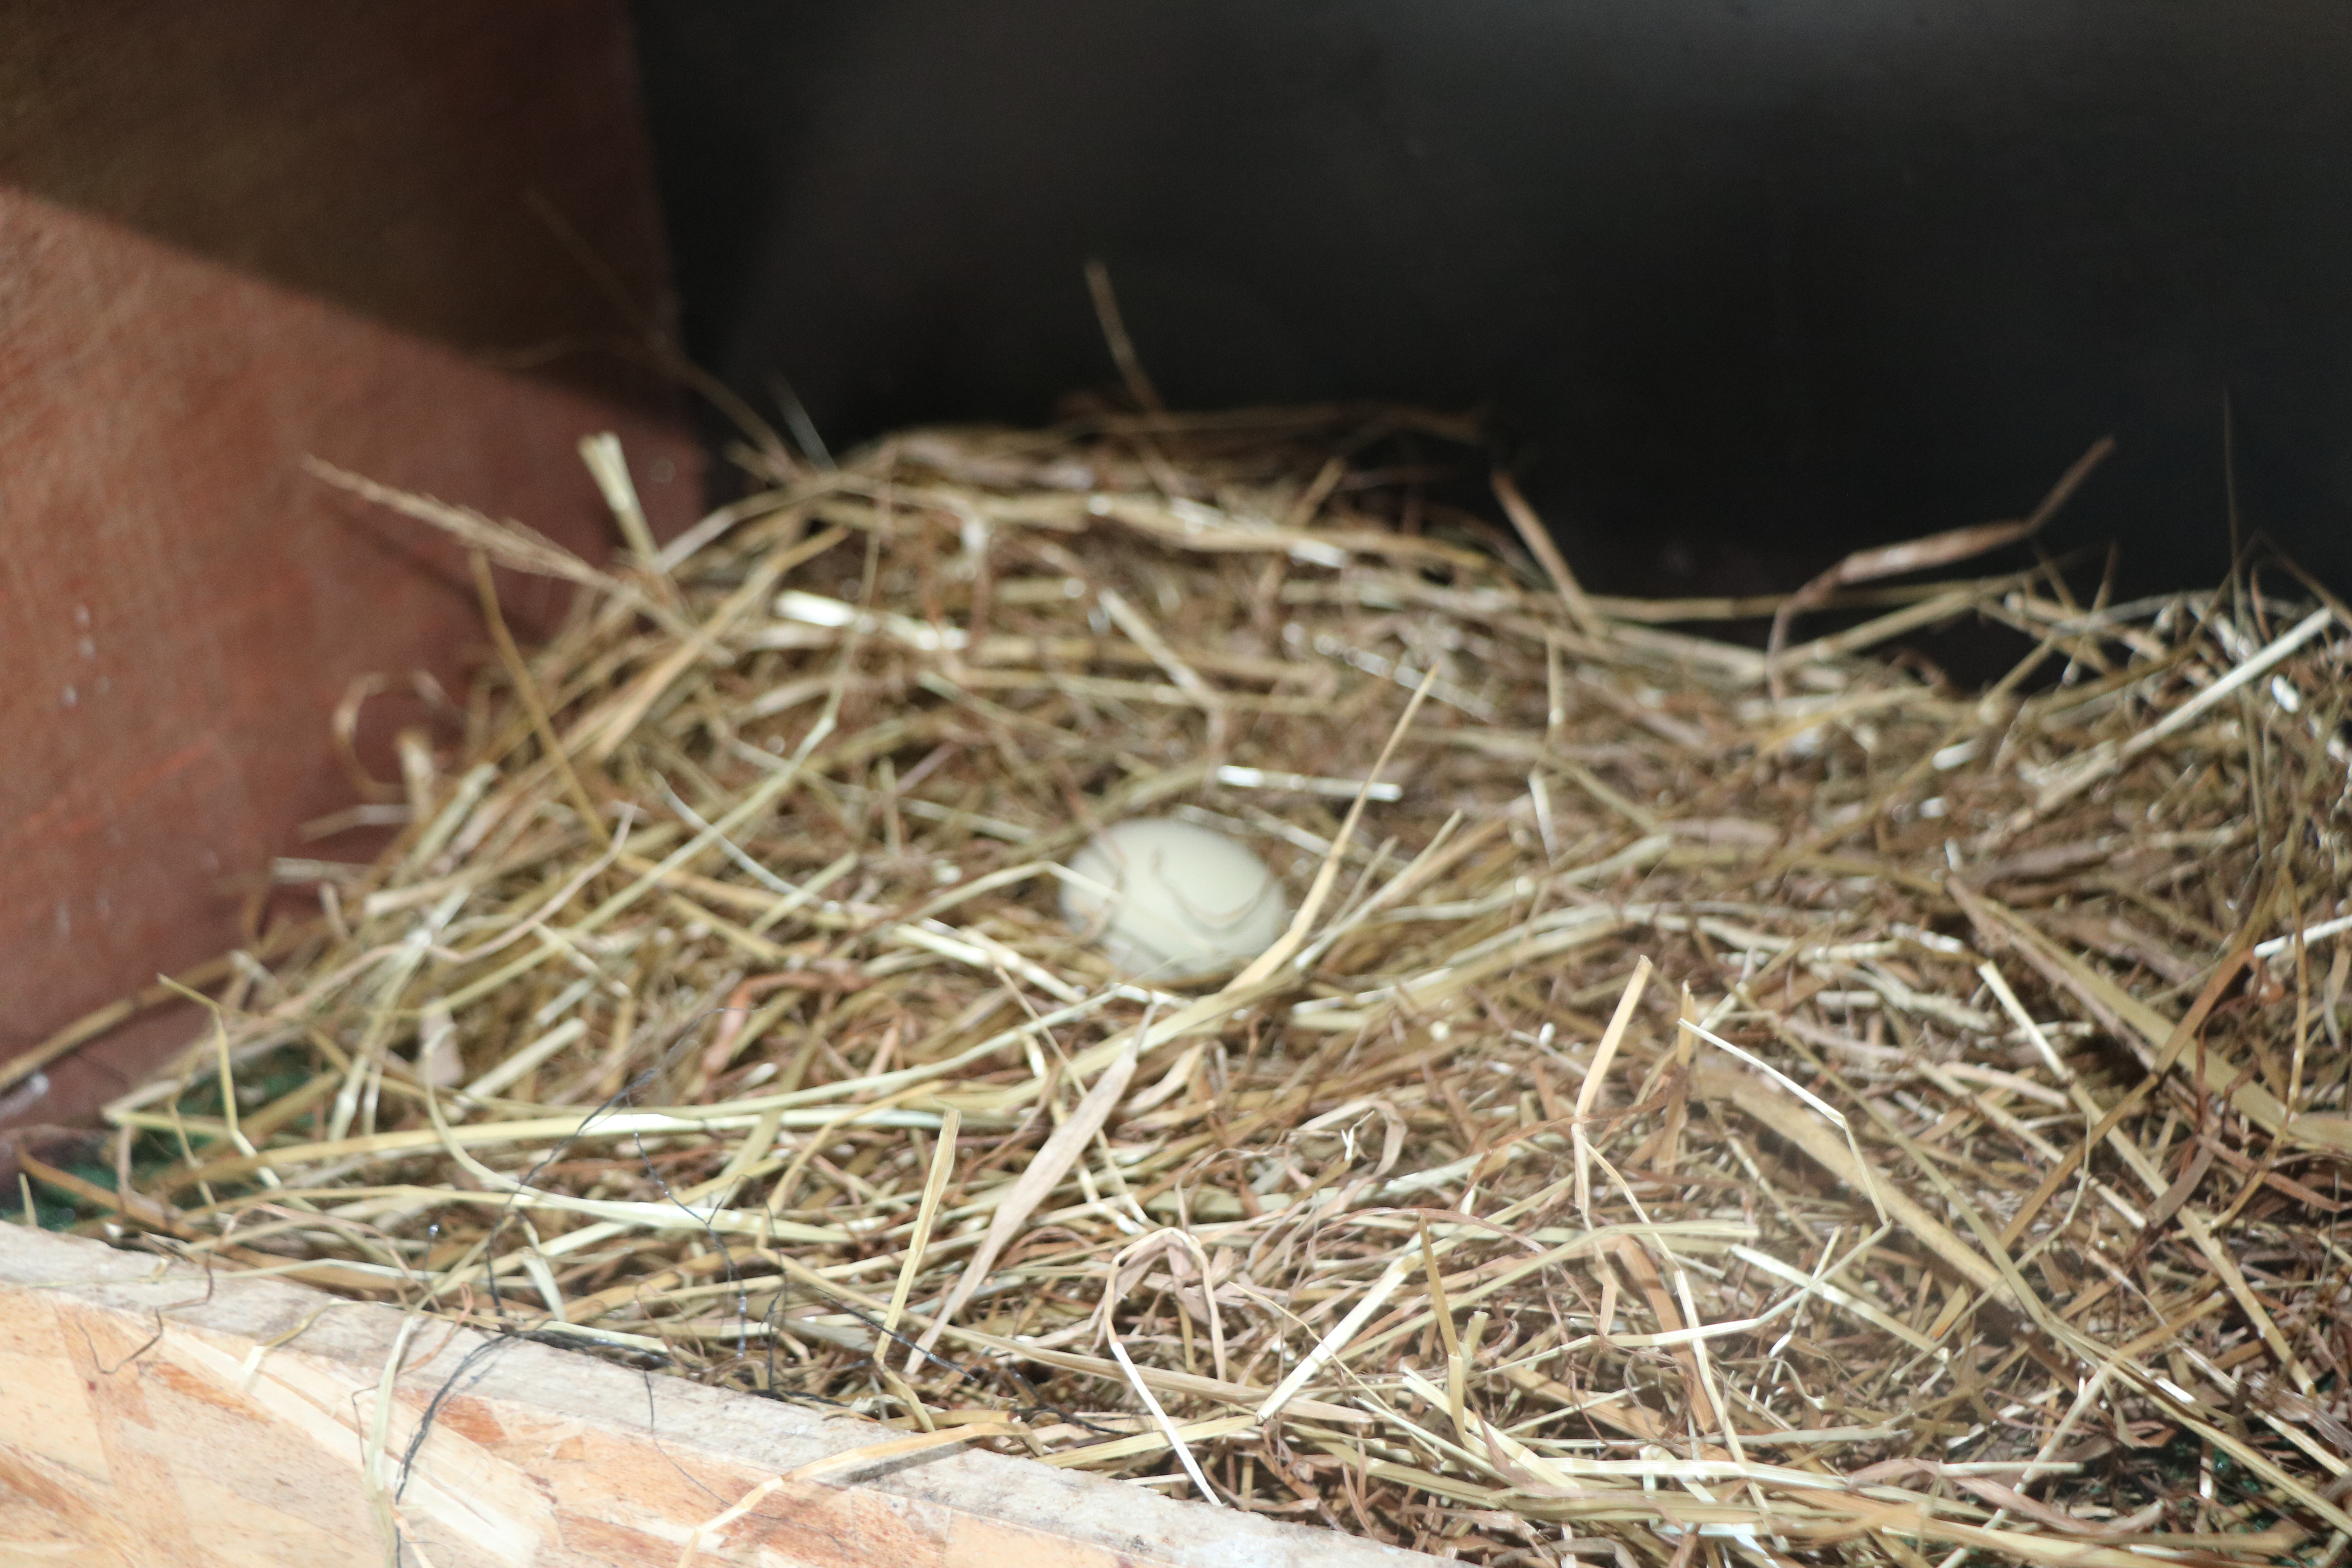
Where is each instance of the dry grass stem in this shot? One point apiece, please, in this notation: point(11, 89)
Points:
point(1709, 1106)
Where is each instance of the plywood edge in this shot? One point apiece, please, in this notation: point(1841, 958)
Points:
point(149, 1413)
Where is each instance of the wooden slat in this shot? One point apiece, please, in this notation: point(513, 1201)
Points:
point(233, 238)
point(147, 1415)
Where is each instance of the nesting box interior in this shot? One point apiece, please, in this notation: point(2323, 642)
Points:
point(633, 621)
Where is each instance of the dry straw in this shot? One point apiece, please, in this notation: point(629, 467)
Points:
point(1875, 1123)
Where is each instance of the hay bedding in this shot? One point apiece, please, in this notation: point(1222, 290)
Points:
point(1684, 1124)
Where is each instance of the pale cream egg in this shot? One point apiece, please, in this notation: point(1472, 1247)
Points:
point(1170, 900)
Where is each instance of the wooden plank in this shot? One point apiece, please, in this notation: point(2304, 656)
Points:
point(229, 239)
point(149, 1415)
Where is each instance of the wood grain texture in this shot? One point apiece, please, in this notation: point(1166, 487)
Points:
point(147, 1415)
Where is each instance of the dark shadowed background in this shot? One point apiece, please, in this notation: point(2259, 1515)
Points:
point(1747, 284)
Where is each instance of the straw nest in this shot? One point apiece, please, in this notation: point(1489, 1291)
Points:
point(1869, 1123)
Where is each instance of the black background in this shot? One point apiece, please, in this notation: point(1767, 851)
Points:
point(1747, 284)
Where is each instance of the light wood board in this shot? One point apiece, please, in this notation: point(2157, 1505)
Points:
point(148, 1416)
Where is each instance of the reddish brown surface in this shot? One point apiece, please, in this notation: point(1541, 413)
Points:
point(184, 607)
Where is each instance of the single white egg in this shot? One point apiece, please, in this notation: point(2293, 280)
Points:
point(1168, 901)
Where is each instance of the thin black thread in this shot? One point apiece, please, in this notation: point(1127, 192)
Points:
point(726, 1254)
point(626, 1095)
point(653, 1435)
point(441, 1395)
